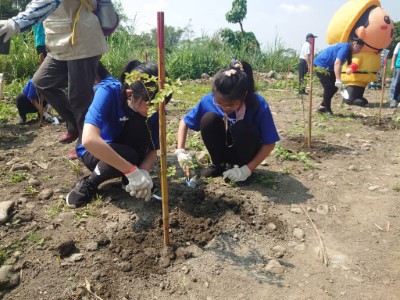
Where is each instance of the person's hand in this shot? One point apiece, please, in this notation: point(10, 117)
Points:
point(339, 83)
point(137, 181)
point(146, 192)
point(349, 71)
point(183, 157)
point(8, 28)
point(237, 174)
point(48, 117)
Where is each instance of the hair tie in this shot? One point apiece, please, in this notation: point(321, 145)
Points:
point(237, 64)
point(230, 72)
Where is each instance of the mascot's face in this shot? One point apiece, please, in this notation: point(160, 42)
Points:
point(378, 33)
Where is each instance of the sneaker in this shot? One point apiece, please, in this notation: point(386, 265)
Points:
point(392, 103)
point(303, 93)
point(329, 114)
point(81, 194)
point(21, 120)
point(69, 137)
point(72, 155)
point(213, 171)
point(321, 110)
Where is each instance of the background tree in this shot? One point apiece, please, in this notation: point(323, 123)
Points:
point(10, 8)
point(396, 38)
point(239, 39)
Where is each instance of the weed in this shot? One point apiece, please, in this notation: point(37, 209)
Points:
point(286, 154)
point(396, 187)
point(195, 142)
point(56, 209)
point(18, 177)
point(75, 167)
point(268, 180)
point(33, 237)
point(31, 190)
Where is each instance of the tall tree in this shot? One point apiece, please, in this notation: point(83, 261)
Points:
point(237, 13)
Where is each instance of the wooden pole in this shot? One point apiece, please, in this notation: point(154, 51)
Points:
point(162, 123)
point(382, 87)
point(310, 92)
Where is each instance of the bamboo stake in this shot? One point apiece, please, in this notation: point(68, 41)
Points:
point(382, 88)
point(162, 124)
point(310, 92)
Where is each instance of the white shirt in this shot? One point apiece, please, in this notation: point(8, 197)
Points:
point(305, 50)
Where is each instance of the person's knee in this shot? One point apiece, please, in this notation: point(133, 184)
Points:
point(210, 120)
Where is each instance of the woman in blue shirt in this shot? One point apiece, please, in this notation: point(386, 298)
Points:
point(331, 61)
point(119, 139)
point(235, 122)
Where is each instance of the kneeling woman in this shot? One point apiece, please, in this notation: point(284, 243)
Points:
point(235, 122)
point(119, 139)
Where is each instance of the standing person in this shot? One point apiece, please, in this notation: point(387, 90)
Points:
point(331, 61)
point(235, 122)
point(40, 41)
point(394, 91)
point(119, 138)
point(75, 43)
point(304, 62)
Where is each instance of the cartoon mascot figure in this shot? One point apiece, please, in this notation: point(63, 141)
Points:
point(366, 20)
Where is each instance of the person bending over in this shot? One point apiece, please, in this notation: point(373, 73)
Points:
point(235, 122)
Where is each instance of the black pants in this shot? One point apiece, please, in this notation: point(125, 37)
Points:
point(238, 145)
point(328, 83)
point(303, 69)
point(104, 171)
point(25, 106)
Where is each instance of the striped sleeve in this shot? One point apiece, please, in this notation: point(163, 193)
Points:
point(35, 12)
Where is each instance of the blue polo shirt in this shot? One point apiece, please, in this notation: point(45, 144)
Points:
point(326, 59)
point(105, 112)
point(29, 91)
point(261, 117)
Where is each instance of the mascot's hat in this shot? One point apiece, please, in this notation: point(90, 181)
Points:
point(345, 18)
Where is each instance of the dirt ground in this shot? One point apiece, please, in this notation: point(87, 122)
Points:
point(315, 223)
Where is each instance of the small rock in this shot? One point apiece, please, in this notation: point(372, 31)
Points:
point(373, 187)
point(92, 246)
point(33, 182)
point(45, 194)
point(8, 279)
point(323, 209)
point(5, 208)
point(76, 257)
point(274, 267)
point(271, 226)
point(298, 233)
point(125, 266)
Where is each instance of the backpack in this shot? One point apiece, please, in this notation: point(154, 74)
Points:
point(105, 12)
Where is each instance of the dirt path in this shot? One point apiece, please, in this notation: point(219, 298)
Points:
point(253, 241)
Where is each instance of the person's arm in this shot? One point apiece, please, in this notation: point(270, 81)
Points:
point(393, 61)
point(337, 68)
point(182, 134)
point(35, 12)
point(36, 104)
point(149, 160)
point(93, 143)
point(264, 151)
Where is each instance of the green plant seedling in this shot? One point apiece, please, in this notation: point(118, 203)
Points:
point(18, 177)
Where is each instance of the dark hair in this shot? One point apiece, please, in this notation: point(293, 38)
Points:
point(350, 42)
point(140, 89)
point(102, 72)
point(235, 82)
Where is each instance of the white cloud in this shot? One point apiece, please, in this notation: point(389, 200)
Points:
point(295, 9)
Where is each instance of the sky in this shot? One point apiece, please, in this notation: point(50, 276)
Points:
point(286, 20)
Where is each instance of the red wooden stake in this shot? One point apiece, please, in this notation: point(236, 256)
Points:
point(162, 124)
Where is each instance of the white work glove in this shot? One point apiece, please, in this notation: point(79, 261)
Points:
point(8, 28)
point(237, 174)
point(183, 157)
point(339, 83)
point(146, 192)
point(137, 181)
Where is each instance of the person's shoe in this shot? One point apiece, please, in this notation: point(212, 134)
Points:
point(69, 137)
point(321, 110)
point(21, 120)
point(81, 194)
point(303, 93)
point(329, 114)
point(72, 155)
point(213, 171)
point(392, 103)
